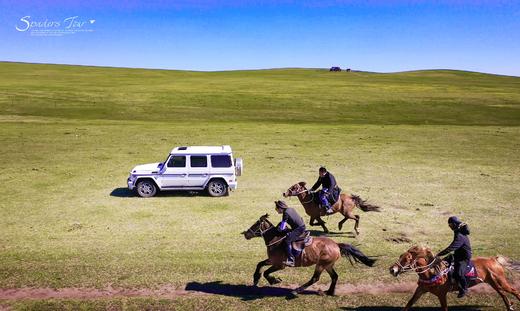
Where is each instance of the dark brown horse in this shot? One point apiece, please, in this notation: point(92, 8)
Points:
point(433, 275)
point(322, 252)
point(345, 206)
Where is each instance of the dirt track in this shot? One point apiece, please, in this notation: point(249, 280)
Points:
point(214, 288)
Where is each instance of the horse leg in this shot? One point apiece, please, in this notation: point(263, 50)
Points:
point(500, 290)
point(348, 216)
point(315, 278)
point(256, 276)
point(418, 293)
point(502, 281)
point(356, 226)
point(340, 225)
point(443, 301)
point(271, 279)
point(322, 224)
point(334, 278)
point(494, 283)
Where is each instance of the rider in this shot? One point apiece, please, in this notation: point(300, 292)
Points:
point(462, 252)
point(328, 186)
point(290, 217)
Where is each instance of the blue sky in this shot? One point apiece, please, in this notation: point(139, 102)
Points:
point(382, 36)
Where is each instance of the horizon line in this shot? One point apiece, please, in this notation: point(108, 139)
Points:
point(256, 69)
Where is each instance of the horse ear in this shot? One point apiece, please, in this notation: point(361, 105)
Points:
point(302, 183)
point(265, 216)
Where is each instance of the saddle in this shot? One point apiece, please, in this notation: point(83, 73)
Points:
point(304, 240)
point(470, 273)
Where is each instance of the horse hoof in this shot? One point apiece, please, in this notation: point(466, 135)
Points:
point(321, 293)
point(294, 293)
point(330, 293)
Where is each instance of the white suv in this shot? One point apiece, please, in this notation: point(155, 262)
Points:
point(189, 168)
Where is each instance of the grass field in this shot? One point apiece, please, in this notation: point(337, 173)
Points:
point(423, 145)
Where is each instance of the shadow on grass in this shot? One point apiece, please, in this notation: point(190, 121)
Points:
point(244, 292)
point(127, 193)
point(122, 193)
point(390, 308)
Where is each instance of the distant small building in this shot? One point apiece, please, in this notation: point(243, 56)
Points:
point(335, 69)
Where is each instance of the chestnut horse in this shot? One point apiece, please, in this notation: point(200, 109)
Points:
point(322, 252)
point(345, 206)
point(433, 275)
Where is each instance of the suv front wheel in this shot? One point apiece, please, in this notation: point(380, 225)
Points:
point(146, 188)
point(217, 188)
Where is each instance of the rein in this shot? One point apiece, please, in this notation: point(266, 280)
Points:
point(261, 233)
point(413, 266)
point(303, 191)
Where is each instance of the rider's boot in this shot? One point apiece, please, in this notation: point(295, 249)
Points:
point(290, 258)
point(463, 287)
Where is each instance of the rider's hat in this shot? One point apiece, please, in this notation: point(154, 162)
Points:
point(281, 204)
point(322, 169)
point(454, 220)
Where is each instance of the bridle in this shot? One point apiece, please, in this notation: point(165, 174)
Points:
point(260, 232)
point(413, 266)
point(295, 193)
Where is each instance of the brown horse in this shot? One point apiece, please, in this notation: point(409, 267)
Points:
point(433, 275)
point(345, 206)
point(322, 252)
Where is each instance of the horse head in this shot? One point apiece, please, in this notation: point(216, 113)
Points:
point(295, 190)
point(258, 228)
point(417, 259)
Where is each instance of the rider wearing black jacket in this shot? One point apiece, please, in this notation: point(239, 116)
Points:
point(462, 252)
point(328, 184)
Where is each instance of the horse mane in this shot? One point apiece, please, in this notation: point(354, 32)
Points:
point(425, 252)
point(302, 183)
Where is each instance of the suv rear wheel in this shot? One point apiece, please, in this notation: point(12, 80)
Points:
point(146, 188)
point(217, 188)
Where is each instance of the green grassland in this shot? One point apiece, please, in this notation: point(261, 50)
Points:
point(423, 145)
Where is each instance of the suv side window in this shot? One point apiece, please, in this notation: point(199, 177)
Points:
point(199, 161)
point(177, 161)
point(221, 161)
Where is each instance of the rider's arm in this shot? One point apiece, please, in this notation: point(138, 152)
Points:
point(332, 181)
point(457, 243)
point(317, 184)
point(282, 225)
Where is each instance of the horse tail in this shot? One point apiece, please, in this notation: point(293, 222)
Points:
point(351, 252)
point(508, 263)
point(363, 205)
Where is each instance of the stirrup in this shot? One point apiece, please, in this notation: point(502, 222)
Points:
point(289, 263)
